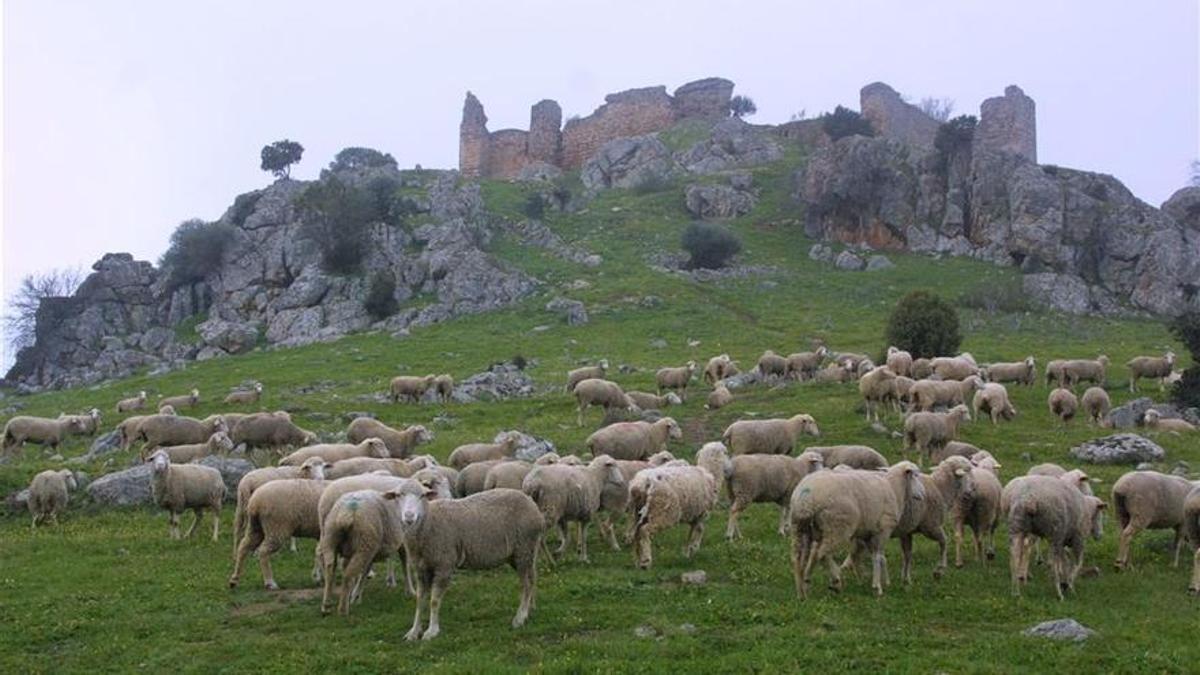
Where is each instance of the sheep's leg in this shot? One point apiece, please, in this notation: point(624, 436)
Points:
point(1016, 544)
point(732, 530)
point(564, 538)
point(546, 551)
point(174, 525)
point(582, 530)
point(1057, 563)
point(440, 582)
point(198, 514)
point(391, 572)
point(958, 540)
point(216, 521)
point(353, 574)
point(879, 562)
point(328, 589)
point(528, 574)
point(906, 559)
point(292, 545)
point(1178, 545)
point(609, 531)
point(579, 417)
point(270, 545)
point(694, 540)
point(939, 536)
point(35, 522)
point(784, 512)
point(632, 527)
point(423, 579)
point(1127, 534)
point(799, 551)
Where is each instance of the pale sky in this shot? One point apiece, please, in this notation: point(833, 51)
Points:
point(124, 117)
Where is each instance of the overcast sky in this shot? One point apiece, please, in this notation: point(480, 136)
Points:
point(124, 117)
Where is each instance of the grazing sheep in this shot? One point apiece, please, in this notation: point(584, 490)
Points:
point(666, 496)
point(49, 492)
point(87, 424)
point(718, 368)
point(312, 469)
point(676, 379)
point(771, 364)
point(1149, 500)
point(993, 400)
point(245, 397)
point(718, 398)
point(652, 401)
point(929, 431)
point(400, 443)
point(184, 401)
point(335, 452)
point(276, 512)
point(1085, 370)
point(409, 387)
point(162, 430)
point(754, 479)
point(1021, 372)
point(954, 367)
point(477, 532)
point(973, 496)
point(804, 365)
point(217, 444)
point(40, 430)
point(127, 428)
point(360, 465)
point(473, 477)
point(136, 403)
point(596, 372)
point(878, 388)
point(179, 487)
point(1049, 508)
point(566, 494)
point(603, 393)
point(512, 474)
point(834, 372)
point(1191, 526)
point(850, 360)
point(830, 510)
point(921, 369)
point(1096, 405)
point(615, 500)
point(1159, 367)
point(443, 387)
point(634, 440)
point(926, 395)
point(480, 452)
point(1063, 404)
point(771, 436)
point(1055, 373)
point(853, 456)
point(167, 410)
point(270, 430)
point(1156, 422)
point(899, 361)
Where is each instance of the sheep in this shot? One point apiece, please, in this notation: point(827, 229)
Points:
point(928, 431)
point(850, 360)
point(360, 465)
point(1096, 405)
point(136, 403)
point(926, 395)
point(49, 492)
point(1085, 370)
point(1049, 508)
point(771, 364)
point(754, 479)
point(270, 430)
point(245, 397)
point(277, 511)
point(925, 517)
point(771, 436)
point(1021, 372)
point(362, 527)
point(666, 496)
point(954, 449)
point(40, 430)
point(185, 401)
point(804, 365)
point(675, 379)
point(1055, 373)
point(984, 460)
point(616, 499)
point(603, 393)
point(921, 368)
point(473, 477)
point(898, 361)
point(312, 468)
point(973, 496)
point(479, 452)
point(647, 401)
point(1149, 500)
point(834, 372)
point(954, 367)
point(1174, 378)
point(878, 388)
point(712, 457)
point(334, 452)
point(160, 430)
point(832, 509)
point(1156, 422)
point(127, 429)
point(400, 443)
point(87, 423)
point(903, 392)
point(1063, 404)
point(179, 487)
point(167, 410)
point(718, 368)
point(443, 386)
point(217, 444)
point(992, 399)
point(1151, 366)
point(1191, 526)
point(853, 456)
point(718, 398)
point(634, 440)
point(572, 494)
point(596, 372)
point(511, 474)
point(409, 387)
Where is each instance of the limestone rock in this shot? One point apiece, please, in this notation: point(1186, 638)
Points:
point(572, 310)
point(717, 201)
point(734, 143)
point(1119, 449)
point(228, 336)
point(627, 163)
point(1184, 207)
point(232, 469)
point(879, 262)
point(122, 488)
point(848, 260)
point(1061, 629)
point(502, 381)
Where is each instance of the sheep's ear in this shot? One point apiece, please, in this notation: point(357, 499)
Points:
point(960, 472)
point(1101, 506)
point(430, 494)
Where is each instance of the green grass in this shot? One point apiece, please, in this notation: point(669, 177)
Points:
point(107, 590)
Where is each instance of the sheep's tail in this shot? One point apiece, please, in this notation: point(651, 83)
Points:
point(1121, 505)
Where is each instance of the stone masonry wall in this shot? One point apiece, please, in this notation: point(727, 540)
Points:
point(1008, 124)
point(893, 118)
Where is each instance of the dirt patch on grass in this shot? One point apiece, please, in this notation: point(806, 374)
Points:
point(278, 600)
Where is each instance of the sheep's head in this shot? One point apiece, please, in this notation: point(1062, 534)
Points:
point(673, 430)
point(218, 424)
point(375, 447)
point(673, 399)
point(989, 464)
point(422, 462)
point(602, 364)
point(548, 458)
point(810, 461)
point(570, 460)
point(167, 409)
point(660, 458)
point(807, 424)
point(691, 367)
point(910, 475)
point(314, 468)
point(421, 434)
point(222, 442)
point(1079, 480)
point(195, 394)
point(974, 382)
point(959, 468)
point(414, 499)
point(160, 461)
point(892, 350)
point(308, 437)
point(961, 412)
point(68, 476)
point(1094, 510)
point(434, 480)
point(1102, 360)
point(612, 473)
point(94, 413)
point(142, 395)
point(1151, 417)
point(1030, 362)
point(258, 387)
point(1169, 357)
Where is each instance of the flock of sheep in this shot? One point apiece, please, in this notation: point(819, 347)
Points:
point(373, 499)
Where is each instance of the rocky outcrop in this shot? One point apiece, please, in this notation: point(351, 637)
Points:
point(1184, 207)
point(717, 201)
point(627, 163)
point(1119, 449)
point(733, 144)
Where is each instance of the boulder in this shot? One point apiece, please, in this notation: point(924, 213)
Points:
point(1060, 629)
point(734, 143)
point(529, 448)
point(879, 262)
point(572, 310)
point(627, 163)
point(1119, 449)
point(105, 444)
point(1129, 415)
point(231, 337)
point(122, 488)
point(232, 469)
point(717, 201)
point(820, 253)
point(848, 260)
point(501, 381)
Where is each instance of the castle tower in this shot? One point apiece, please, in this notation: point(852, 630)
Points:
point(545, 135)
point(1008, 124)
point(472, 138)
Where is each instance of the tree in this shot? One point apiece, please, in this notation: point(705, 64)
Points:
point(742, 106)
point(1186, 327)
point(279, 157)
point(335, 216)
point(195, 251)
point(925, 325)
point(355, 158)
point(20, 321)
point(937, 108)
point(709, 245)
point(380, 302)
point(844, 122)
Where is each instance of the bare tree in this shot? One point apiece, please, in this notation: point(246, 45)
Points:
point(799, 115)
point(20, 319)
point(937, 108)
point(1194, 179)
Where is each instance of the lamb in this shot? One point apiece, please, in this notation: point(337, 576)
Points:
point(832, 509)
point(473, 478)
point(312, 469)
point(718, 368)
point(1063, 404)
point(400, 443)
point(954, 367)
point(1156, 422)
point(511, 474)
point(973, 496)
point(245, 397)
point(1055, 372)
point(1085, 370)
point(335, 452)
point(217, 444)
point(1021, 372)
point(878, 388)
point(596, 372)
point(40, 430)
point(479, 452)
point(603, 393)
point(675, 379)
point(926, 395)
point(898, 361)
point(634, 440)
point(179, 487)
point(921, 368)
point(49, 492)
point(360, 465)
point(1048, 507)
point(834, 372)
point(1096, 405)
point(804, 365)
point(270, 430)
point(1191, 526)
point(409, 387)
point(1149, 500)
point(771, 436)
point(771, 364)
point(277, 511)
point(160, 430)
point(993, 400)
point(754, 479)
point(572, 494)
point(718, 398)
point(928, 431)
point(136, 403)
point(853, 456)
point(185, 401)
point(666, 496)
point(443, 386)
point(654, 402)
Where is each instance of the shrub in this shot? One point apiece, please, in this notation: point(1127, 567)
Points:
point(955, 135)
point(709, 245)
point(380, 301)
point(742, 106)
point(195, 250)
point(353, 159)
point(279, 157)
point(382, 192)
point(937, 108)
point(519, 361)
point(1186, 327)
point(535, 206)
point(844, 122)
point(335, 217)
point(925, 325)
point(243, 206)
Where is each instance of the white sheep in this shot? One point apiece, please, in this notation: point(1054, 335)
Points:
point(1063, 404)
point(634, 440)
point(616, 500)
point(162, 430)
point(1191, 526)
point(771, 364)
point(853, 456)
point(929, 431)
point(712, 457)
point(49, 492)
point(473, 477)
point(770, 436)
point(185, 401)
point(992, 399)
point(718, 398)
point(409, 387)
point(1156, 422)
point(596, 372)
point(335, 452)
point(925, 517)
point(276, 512)
point(443, 387)
point(667, 496)
point(362, 528)
point(1149, 500)
point(256, 478)
point(926, 395)
point(87, 424)
point(973, 496)
point(1049, 508)
point(608, 395)
point(718, 368)
point(481, 452)
point(952, 449)
point(647, 401)
point(954, 367)
point(1096, 405)
point(245, 397)
point(770, 479)
point(1055, 373)
point(360, 465)
point(804, 365)
point(1021, 372)
point(179, 487)
point(24, 429)
point(834, 373)
point(674, 379)
point(511, 474)
point(136, 403)
point(878, 388)
point(899, 361)
point(566, 494)
point(1085, 370)
point(922, 368)
point(217, 444)
point(400, 442)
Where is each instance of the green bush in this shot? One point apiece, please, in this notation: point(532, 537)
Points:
point(925, 325)
point(955, 134)
point(335, 216)
point(844, 122)
point(195, 250)
point(380, 301)
point(279, 157)
point(742, 106)
point(535, 206)
point(709, 245)
point(353, 159)
point(1186, 392)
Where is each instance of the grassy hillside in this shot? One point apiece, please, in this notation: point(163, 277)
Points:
point(108, 590)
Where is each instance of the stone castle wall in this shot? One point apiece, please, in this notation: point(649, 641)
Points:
point(1008, 123)
point(894, 118)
